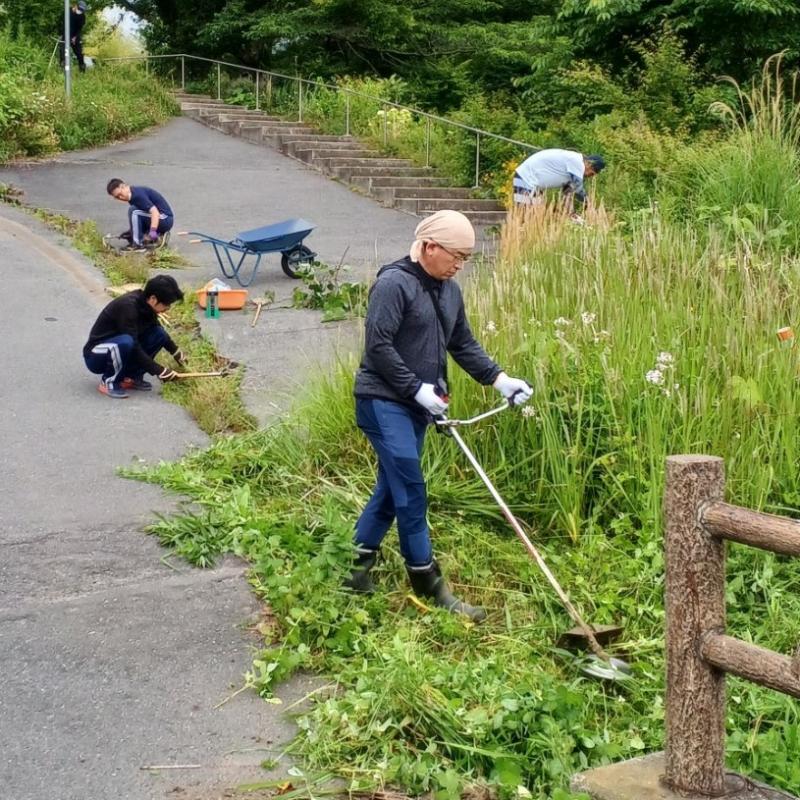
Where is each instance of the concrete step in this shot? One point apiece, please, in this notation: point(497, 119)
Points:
point(369, 182)
point(388, 195)
point(314, 138)
point(278, 125)
point(347, 173)
point(378, 161)
point(219, 108)
point(346, 147)
point(441, 191)
point(254, 117)
point(268, 135)
point(314, 155)
point(429, 205)
point(479, 217)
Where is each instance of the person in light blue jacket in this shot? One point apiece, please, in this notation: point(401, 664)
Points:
point(555, 169)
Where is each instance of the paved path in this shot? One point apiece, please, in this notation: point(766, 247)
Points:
point(111, 660)
point(221, 185)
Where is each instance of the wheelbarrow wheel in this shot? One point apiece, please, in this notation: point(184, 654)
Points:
point(293, 260)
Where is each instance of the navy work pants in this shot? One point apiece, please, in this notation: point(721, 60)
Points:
point(139, 222)
point(112, 358)
point(397, 435)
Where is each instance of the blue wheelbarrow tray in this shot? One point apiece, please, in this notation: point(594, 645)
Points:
point(283, 237)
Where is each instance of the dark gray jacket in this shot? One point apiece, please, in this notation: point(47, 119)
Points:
point(405, 345)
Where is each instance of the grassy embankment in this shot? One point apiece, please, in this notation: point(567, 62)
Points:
point(642, 339)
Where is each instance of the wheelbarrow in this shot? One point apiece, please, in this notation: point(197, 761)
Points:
point(284, 237)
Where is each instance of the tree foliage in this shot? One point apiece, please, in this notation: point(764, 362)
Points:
point(548, 60)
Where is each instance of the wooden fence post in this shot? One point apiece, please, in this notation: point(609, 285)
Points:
point(695, 604)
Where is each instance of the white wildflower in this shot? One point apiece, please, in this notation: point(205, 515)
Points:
point(665, 359)
point(562, 322)
point(655, 376)
point(560, 335)
point(588, 317)
point(490, 327)
point(528, 411)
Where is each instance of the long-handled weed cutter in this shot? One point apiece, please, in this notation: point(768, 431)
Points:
point(601, 664)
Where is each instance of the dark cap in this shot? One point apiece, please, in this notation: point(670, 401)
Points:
point(597, 161)
point(82, 5)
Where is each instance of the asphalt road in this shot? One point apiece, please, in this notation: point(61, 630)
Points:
point(221, 185)
point(111, 661)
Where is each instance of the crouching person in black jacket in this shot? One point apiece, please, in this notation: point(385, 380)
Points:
point(127, 336)
point(414, 318)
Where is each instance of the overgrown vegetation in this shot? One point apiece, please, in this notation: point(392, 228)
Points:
point(108, 103)
point(642, 339)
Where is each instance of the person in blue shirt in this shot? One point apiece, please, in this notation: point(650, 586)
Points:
point(149, 214)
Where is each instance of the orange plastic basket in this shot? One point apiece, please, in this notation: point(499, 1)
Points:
point(229, 300)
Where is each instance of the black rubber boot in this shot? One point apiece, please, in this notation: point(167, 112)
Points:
point(359, 580)
point(432, 585)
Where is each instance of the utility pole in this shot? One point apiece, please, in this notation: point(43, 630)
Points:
point(67, 51)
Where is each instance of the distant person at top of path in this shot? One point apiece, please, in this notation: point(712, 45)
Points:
point(77, 19)
point(554, 169)
point(149, 214)
point(127, 336)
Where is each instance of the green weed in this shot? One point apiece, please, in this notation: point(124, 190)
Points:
point(323, 288)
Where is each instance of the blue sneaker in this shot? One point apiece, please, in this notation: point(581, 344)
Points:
point(140, 384)
point(110, 390)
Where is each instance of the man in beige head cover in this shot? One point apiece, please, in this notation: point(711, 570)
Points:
point(414, 319)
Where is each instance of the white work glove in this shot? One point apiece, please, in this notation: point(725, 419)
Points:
point(515, 390)
point(426, 396)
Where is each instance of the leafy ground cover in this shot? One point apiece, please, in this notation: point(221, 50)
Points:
point(644, 336)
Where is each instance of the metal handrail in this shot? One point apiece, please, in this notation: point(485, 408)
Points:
point(479, 132)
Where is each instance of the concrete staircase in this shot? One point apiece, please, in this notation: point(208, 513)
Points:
point(393, 182)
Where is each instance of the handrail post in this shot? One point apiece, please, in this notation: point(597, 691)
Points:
point(385, 130)
point(219, 82)
point(183, 73)
point(695, 605)
point(299, 100)
point(347, 113)
point(477, 160)
point(146, 67)
point(427, 141)
point(269, 92)
point(257, 90)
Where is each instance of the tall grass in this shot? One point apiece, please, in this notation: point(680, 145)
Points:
point(641, 340)
point(746, 184)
